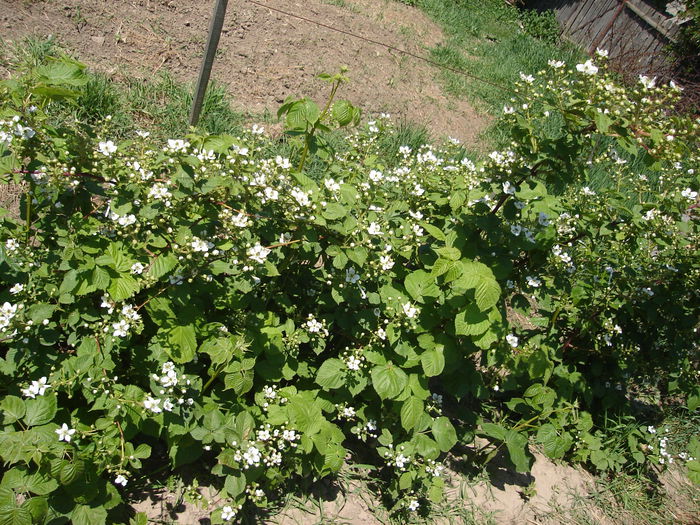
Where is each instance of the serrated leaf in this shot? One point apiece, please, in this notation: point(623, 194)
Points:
point(553, 444)
point(331, 374)
point(334, 211)
point(433, 361)
point(411, 411)
point(516, 444)
point(13, 515)
point(487, 293)
point(72, 471)
point(40, 411)
point(444, 433)
point(183, 343)
point(471, 321)
point(161, 266)
point(13, 408)
point(86, 515)
point(388, 380)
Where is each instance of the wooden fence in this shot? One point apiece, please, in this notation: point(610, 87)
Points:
point(635, 33)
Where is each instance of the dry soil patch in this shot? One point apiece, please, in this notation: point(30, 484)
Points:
point(264, 56)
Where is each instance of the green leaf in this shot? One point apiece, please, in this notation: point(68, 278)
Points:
point(471, 321)
point(411, 412)
point(433, 361)
point(452, 254)
point(72, 471)
point(235, 485)
point(40, 410)
point(487, 294)
point(420, 284)
point(161, 266)
point(516, 444)
point(331, 374)
point(12, 515)
point(343, 111)
point(334, 211)
point(388, 380)
point(183, 343)
point(38, 312)
point(13, 409)
point(123, 287)
point(554, 445)
point(219, 349)
point(37, 507)
point(602, 121)
point(86, 515)
point(444, 433)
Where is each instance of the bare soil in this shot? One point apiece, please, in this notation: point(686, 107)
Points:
point(264, 56)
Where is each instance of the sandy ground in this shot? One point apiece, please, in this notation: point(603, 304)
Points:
point(264, 56)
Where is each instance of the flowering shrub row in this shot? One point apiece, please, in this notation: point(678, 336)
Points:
point(202, 300)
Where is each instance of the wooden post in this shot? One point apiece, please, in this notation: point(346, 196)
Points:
point(215, 26)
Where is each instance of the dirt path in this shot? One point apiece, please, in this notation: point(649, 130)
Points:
point(264, 56)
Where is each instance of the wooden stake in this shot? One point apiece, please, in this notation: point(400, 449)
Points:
point(217, 23)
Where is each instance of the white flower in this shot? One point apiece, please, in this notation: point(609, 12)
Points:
point(533, 281)
point(508, 188)
point(17, 288)
point(689, 194)
point(410, 310)
point(313, 326)
point(271, 194)
point(404, 150)
point(257, 130)
point(543, 219)
point(152, 404)
point(301, 196)
point(198, 245)
point(37, 388)
point(603, 53)
point(137, 268)
point(121, 480)
point(386, 262)
point(11, 245)
point(65, 433)
point(241, 220)
point(121, 328)
point(516, 229)
point(512, 340)
point(168, 405)
point(529, 79)
point(227, 513)
point(556, 64)
point(374, 229)
point(252, 456)
point(401, 461)
point(289, 435)
point(353, 363)
point(588, 191)
point(351, 275)
point(648, 291)
point(413, 505)
point(348, 412)
point(587, 68)
point(129, 312)
point(375, 176)
point(159, 191)
point(415, 215)
point(331, 185)
point(175, 145)
point(143, 134)
point(508, 110)
point(381, 333)
point(647, 82)
point(418, 190)
point(107, 148)
point(258, 253)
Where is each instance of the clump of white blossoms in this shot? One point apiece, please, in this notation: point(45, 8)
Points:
point(176, 146)
point(410, 310)
point(314, 326)
point(199, 245)
point(107, 148)
point(7, 312)
point(37, 388)
point(65, 433)
point(374, 229)
point(512, 340)
point(121, 480)
point(258, 253)
point(587, 68)
point(137, 268)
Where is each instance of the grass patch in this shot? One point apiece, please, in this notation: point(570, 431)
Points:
point(160, 105)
